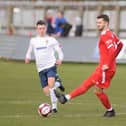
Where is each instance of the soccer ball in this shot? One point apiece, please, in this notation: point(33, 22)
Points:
point(44, 109)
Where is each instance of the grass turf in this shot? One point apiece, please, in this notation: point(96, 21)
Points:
point(20, 95)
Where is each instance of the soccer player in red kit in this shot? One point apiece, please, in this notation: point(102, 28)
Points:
point(109, 48)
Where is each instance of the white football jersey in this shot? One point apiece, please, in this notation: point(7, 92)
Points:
point(45, 50)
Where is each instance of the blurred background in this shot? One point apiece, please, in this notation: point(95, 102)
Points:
point(20, 93)
point(19, 16)
point(18, 19)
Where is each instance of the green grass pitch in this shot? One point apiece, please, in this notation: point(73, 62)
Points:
point(20, 95)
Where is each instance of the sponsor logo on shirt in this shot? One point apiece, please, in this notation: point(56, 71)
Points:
point(39, 48)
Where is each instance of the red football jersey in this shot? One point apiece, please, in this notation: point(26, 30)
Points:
point(108, 49)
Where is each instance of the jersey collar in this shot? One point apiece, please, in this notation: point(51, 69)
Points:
point(104, 32)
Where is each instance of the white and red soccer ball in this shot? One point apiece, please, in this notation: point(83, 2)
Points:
point(44, 109)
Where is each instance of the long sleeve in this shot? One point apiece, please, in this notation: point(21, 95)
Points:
point(114, 46)
point(111, 55)
point(119, 47)
point(29, 51)
point(114, 50)
point(59, 51)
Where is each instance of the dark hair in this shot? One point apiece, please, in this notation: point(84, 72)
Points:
point(41, 22)
point(104, 17)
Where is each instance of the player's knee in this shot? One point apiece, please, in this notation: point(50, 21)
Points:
point(97, 90)
point(46, 91)
point(51, 83)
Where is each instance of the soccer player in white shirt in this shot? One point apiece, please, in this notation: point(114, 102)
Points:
point(45, 49)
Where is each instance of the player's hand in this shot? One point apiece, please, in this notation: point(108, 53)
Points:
point(27, 61)
point(105, 67)
point(58, 62)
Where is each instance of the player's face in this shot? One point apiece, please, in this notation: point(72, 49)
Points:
point(59, 15)
point(41, 29)
point(101, 24)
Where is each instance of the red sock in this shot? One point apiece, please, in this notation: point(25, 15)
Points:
point(82, 89)
point(104, 100)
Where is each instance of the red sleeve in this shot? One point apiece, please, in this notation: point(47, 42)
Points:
point(119, 47)
point(111, 56)
point(114, 46)
point(118, 44)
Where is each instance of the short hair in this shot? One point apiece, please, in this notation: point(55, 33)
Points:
point(104, 17)
point(41, 22)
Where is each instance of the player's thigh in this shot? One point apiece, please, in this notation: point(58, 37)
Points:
point(96, 77)
point(109, 76)
point(105, 80)
point(51, 74)
point(43, 79)
point(51, 82)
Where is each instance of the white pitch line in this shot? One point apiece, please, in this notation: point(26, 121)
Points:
point(82, 103)
point(66, 115)
point(16, 116)
point(88, 115)
point(19, 102)
point(32, 101)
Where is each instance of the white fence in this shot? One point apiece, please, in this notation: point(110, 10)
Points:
point(22, 15)
point(76, 49)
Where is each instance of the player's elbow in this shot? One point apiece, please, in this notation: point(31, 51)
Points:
point(121, 45)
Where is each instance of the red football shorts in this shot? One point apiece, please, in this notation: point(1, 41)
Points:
point(101, 78)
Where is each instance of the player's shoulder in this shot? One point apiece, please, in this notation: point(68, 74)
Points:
point(33, 38)
point(111, 34)
point(107, 33)
point(52, 39)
